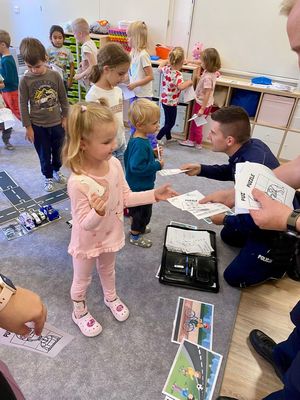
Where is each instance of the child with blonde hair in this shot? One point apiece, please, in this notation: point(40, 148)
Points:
point(211, 63)
point(81, 31)
point(141, 166)
point(111, 69)
point(98, 192)
point(172, 85)
point(140, 72)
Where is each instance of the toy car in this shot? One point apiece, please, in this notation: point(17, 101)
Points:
point(36, 219)
point(41, 215)
point(50, 212)
point(26, 220)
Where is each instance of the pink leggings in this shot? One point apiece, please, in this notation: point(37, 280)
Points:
point(195, 134)
point(83, 269)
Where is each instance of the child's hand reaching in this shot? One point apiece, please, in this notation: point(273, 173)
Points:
point(162, 163)
point(164, 192)
point(98, 204)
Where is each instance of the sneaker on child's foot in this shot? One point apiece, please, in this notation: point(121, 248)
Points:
point(59, 177)
point(187, 143)
point(9, 146)
point(171, 140)
point(198, 146)
point(49, 185)
point(139, 240)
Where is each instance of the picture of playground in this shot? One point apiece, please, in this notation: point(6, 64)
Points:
point(193, 374)
point(194, 322)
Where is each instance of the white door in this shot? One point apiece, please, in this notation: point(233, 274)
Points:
point(179, 24)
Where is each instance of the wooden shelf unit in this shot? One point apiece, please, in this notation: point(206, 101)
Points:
point(77, 92)
point(282, 137)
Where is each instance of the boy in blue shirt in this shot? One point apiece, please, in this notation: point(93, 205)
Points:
point(141, 166)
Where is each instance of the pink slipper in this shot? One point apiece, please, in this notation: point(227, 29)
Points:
point(88, 325)
point(118, 308)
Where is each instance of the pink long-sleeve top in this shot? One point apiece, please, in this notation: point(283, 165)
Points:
point(93, 234)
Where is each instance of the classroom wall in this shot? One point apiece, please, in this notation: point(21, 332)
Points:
point(36, 16)
point(250, 35)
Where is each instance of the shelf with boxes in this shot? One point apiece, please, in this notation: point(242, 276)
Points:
point(77, 92)
point(180, 129)
point(274, 114)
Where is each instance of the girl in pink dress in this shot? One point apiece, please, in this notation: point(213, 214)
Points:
point(98, 193)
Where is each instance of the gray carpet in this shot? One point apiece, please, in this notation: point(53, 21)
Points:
point(129, 360)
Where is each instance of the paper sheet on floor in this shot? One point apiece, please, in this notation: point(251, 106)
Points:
point(49, 343)
point(253, 175)
point(7, 118)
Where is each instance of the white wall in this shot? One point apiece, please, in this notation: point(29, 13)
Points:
point(250, 35)
point(36, 16)
point(153, 12)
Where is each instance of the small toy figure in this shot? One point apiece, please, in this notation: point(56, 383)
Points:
point(197, 49)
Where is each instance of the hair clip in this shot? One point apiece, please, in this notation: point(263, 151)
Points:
point(83, 108)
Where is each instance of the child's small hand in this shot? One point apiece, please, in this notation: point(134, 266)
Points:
point(29, 135)
point(98, 204)
point(162, 163)
point(218, 219)
point(2, 86)
point(64, 123)
point(131, 86)
point(164, 192)
point(201, 112)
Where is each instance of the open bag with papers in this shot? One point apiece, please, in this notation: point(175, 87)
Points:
point(189, 259)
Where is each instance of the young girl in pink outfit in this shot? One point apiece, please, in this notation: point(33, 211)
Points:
point(211, 63)
point(98, 193)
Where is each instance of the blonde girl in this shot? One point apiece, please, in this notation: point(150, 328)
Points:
point(172, 84)
point(98, 192)
point(140, 72)
point(211, 63)
point(111, 69)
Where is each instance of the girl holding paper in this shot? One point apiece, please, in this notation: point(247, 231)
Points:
point(172, 85)
point(211, 63)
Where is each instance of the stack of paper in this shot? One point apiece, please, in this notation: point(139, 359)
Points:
point(7, 117)
point(252, 175)
point(188, 241)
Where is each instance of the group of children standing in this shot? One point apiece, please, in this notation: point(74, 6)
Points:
point(95, 132)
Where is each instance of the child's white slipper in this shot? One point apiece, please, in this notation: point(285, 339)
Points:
point(118, 309)
point(88, 325)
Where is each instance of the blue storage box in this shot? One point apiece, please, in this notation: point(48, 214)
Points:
point(246, 99)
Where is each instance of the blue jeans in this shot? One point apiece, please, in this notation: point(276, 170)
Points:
point(119, 154)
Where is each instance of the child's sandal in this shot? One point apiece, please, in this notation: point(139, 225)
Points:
point(118, 309)
point(141, 242)
point(88, 325)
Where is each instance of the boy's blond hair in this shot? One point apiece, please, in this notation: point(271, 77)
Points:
point(5, 38)
point(80, 25)
point(176, 56)
point(82, 119)
point(138, 33)
point(142, 112)
point(286, 6)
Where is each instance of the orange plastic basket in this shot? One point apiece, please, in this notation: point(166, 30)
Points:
point(162, 51)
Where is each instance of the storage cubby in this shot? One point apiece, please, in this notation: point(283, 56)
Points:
point(77, 92)
point(275, 114)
